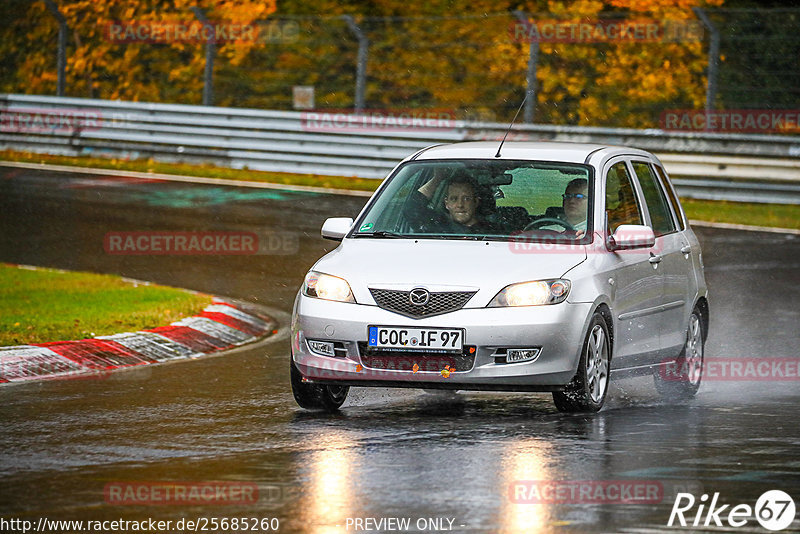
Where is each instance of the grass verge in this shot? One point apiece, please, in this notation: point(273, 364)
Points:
point(774, 215)
point(207, 171)
point(41, 305)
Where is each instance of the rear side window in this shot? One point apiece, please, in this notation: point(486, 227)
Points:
point(621, 204)
point(660, 215)
point(671, 195)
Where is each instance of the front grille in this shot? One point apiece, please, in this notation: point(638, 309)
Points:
point(439, 303)
point(425, 361)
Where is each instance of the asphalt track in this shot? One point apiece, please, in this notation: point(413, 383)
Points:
point(389, 453)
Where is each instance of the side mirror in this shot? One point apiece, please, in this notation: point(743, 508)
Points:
point(336, 228)
point(628, 236)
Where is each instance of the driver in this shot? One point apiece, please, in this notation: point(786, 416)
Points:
point(461, 203)
point(574, 203)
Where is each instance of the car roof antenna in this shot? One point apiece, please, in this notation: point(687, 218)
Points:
point(512, 124)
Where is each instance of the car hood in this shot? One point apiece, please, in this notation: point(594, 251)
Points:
point(443, 265)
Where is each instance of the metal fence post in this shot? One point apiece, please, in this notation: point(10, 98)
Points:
point(361, 72)
point(61, 60)
point(208, 73)
point(713, 58)
point(530, 77)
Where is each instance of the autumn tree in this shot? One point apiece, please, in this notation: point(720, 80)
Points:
point(100, 67)
point(463, 55)
point(460, 55)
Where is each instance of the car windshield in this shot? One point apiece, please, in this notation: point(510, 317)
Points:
point(482, 199)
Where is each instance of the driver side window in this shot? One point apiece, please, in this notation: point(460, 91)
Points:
point(621, 204)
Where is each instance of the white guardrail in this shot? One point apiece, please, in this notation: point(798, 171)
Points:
point(756, 168)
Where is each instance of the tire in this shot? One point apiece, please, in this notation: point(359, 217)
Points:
point(588, 388)
point(314, 396)
point(683, 380)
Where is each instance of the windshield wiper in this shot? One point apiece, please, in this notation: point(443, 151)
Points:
point(395, 235)
point(462, 237)
point(382, 233)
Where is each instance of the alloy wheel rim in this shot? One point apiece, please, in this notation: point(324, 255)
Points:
point(693, 352)
point(597, 364)
point(336, 392)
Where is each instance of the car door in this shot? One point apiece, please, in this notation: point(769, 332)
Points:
point(671, 256)
point(637, 285)
point(684, 286)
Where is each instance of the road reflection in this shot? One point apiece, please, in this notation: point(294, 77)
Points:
point(330, 482)
point(389, 453)
point(525, 459)
point(463, 457)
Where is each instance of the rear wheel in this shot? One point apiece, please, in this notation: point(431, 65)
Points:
point(315, 396)
point(587, 390)
point(681, 379)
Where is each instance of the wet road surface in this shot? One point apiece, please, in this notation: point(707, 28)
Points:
point(452, 461)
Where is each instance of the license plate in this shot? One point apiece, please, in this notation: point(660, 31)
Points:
point(421, 339)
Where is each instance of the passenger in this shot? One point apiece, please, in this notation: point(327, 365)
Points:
point(461, 203)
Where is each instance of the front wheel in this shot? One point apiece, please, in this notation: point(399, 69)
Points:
point(587, 390)
point(681, 379)
point(315, 396)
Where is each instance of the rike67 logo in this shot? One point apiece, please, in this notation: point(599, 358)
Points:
point(774, 510)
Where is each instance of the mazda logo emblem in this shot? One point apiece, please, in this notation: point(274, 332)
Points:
point(419, 296)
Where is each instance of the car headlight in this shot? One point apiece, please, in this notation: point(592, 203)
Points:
point(534, 293)
point(325, 286)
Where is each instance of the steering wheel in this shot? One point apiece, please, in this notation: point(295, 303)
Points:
point(546, 221)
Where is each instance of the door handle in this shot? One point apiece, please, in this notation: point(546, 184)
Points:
point(686, 249)
point(654, 259)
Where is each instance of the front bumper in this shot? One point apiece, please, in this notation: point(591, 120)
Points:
point(558, 330)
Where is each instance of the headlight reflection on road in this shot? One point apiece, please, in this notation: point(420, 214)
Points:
point(329, 495)
point(526, 460)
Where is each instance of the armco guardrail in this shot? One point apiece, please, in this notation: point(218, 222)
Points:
point(758, 168)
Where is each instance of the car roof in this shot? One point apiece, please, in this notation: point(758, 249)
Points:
point(542, 151)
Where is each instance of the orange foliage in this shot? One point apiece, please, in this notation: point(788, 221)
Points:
point(456, 54)
point(99, 67)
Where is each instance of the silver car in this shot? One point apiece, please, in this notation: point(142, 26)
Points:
point(530, 267)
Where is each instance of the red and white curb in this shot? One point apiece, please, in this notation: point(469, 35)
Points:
point(221, 325)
